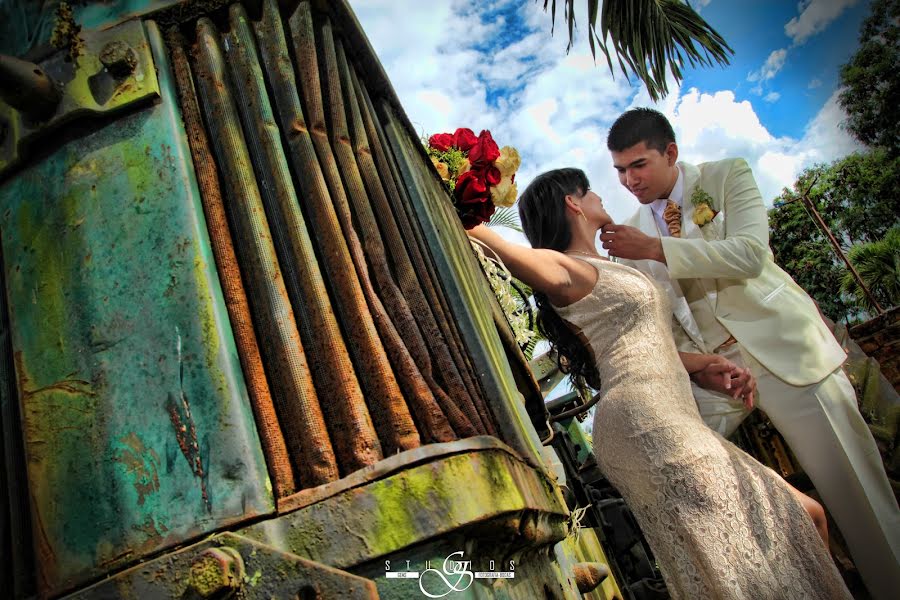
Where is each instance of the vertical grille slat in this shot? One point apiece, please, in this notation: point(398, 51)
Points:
point(442, 334)
point(336, 379)
point(420, 395)
point(230, 275)
point(354, 331)
point(462, 261)
point(389, 409)
point(301, 416)
point(364, 131)
point(459, 409)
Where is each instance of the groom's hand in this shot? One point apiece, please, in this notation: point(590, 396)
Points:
point(624, 241)
point(723, 376)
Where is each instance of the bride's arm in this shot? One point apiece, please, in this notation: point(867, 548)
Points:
point(694, 362)
point(543, 270)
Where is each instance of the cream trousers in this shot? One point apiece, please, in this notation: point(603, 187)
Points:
point(823, 426)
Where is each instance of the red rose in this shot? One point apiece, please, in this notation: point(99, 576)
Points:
point(464, 139)
point(471, 188)
point(473, 198)
point(492, 175)
point(485, 150)
point(441, 141)
point(480, 213)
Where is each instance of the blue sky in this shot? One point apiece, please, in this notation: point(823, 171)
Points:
point(810, 72)
point(494, 65)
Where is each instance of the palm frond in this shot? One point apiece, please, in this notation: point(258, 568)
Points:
point(648, 37)
point(506, 217)
point(878, 263)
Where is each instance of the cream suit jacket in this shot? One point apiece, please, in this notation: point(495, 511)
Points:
point(757, 302)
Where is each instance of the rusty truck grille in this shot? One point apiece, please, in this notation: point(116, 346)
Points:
point(345, 339)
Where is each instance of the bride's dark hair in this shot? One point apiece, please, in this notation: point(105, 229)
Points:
point(542, 211)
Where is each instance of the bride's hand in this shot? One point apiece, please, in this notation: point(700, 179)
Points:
point(479, 231)
point(716, 375)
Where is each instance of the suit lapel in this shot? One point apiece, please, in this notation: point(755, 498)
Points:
point(660, 273)
point(689, 229)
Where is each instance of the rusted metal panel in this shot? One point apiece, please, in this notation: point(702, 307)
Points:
point(229, 565)
point(26, 26)
point(91, 87)
point(137, 428)
point(296, 399)
point(229, 271)
point(16, 556)
point(418, 503)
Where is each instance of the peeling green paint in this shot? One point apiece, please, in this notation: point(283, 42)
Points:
point(120, 338)
point(411, 506)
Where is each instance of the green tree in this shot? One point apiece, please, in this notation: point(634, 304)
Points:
point(802, 250)
point(878, 263)
point(647, 37)
point(856, 197)
point(859, 192)
point(871, 95)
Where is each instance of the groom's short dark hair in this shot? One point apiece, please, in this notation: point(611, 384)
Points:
point(640, 125)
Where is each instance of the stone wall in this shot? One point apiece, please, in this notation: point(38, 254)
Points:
point(880, 339)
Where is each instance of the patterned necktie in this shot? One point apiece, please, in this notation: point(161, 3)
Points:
point(672, 217)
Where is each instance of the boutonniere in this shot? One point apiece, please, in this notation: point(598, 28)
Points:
point(703, 211)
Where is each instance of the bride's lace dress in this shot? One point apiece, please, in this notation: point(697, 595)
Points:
point(720, 524)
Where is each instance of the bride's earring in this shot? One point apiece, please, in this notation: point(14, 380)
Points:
point(581, 212)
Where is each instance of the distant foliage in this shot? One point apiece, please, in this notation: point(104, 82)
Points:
point(871, 95)
point(801, 250)
point(878, 263)
point(857, 198)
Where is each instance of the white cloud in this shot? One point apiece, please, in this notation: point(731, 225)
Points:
point(772, 97)
point(558, 108)
point(814, 17)
point(825, 139)
point(715, 126)
point(770, 68)
point(814, 83)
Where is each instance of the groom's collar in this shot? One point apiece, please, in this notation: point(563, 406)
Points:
point(658, 206)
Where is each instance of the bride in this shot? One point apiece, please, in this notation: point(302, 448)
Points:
point(720, 524)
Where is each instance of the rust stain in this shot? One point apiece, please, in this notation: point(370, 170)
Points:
point(298, 126)
point(185, 429)
point(140, 462)
point(78, 387)
point(115, 559)
point(152, 530)
point(186, 435)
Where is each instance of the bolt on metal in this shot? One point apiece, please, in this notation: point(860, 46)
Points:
point(119, 59)
point(217, 573)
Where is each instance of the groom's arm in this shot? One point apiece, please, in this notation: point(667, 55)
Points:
point(742, 253)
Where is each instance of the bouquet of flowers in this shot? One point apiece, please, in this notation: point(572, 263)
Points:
point(480, 175)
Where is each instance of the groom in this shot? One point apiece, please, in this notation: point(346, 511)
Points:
point(702, 233)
